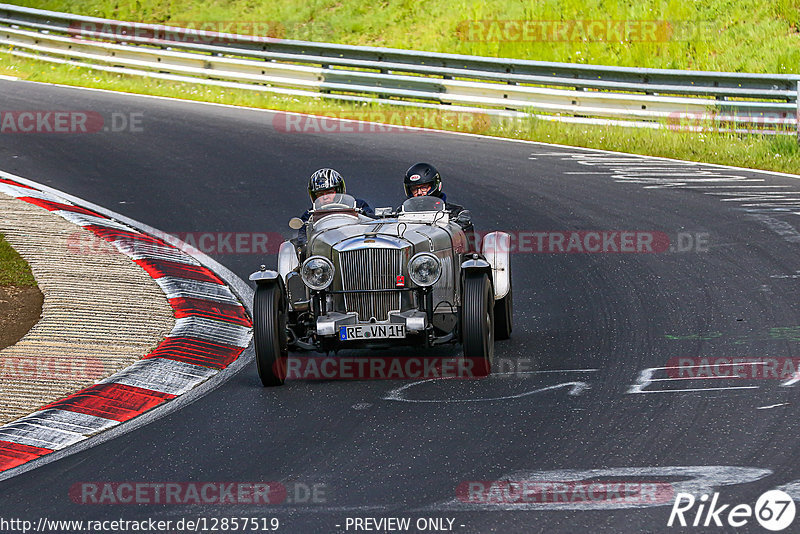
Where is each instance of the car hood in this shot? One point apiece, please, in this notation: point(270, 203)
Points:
point(350, 235)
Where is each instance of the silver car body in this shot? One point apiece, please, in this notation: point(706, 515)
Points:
point(372, 285)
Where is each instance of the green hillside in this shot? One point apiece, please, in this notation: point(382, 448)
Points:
point(731, 35)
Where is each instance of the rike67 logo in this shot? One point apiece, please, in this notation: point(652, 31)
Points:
point(774, 510)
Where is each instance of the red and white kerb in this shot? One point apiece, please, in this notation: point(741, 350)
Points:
point(212, 329)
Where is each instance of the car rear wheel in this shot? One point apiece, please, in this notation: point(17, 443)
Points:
point(271, 341)
point(477, 323)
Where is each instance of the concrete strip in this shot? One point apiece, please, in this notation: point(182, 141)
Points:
point(212, 330)
point(139, 251)
point(86, 220)
point(101, 312)
point(15, 191)
point(54, 429)
point(183, 288)
point(165, 376)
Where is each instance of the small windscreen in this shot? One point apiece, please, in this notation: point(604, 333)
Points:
point(334, 201)
point(427, 203)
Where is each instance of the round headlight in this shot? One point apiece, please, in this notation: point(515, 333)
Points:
point(425, 269)
point(317, 272)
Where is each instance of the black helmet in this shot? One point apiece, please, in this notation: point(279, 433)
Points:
point(325, 179)
point(423, 173)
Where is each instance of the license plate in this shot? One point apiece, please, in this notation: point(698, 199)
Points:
point(372, 331)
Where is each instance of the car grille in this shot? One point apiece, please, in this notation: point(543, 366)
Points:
point(371, 268)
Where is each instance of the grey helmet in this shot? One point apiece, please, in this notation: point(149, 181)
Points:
point(324, 179)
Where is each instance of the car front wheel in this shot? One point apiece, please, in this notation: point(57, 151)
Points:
point(271, 341)
point(477, 322)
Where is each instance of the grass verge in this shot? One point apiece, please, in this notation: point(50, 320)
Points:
point(740, 36)
point(14, 271)
point(777, 153)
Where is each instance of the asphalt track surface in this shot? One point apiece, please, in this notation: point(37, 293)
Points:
point(590, 324)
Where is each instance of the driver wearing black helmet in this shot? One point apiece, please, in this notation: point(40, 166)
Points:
point(422, 179)
point(323, 183)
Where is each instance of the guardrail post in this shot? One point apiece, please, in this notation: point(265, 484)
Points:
point(797, 116)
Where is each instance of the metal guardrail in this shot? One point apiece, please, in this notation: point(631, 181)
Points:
point(556, 91)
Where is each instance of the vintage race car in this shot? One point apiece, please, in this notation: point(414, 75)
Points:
point(407, 276)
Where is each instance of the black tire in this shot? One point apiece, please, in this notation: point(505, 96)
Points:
point(269, 333)
point(504, 316)
point(477, 322)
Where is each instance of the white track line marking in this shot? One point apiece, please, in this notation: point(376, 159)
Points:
point(772, 406)
point(576, 388)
